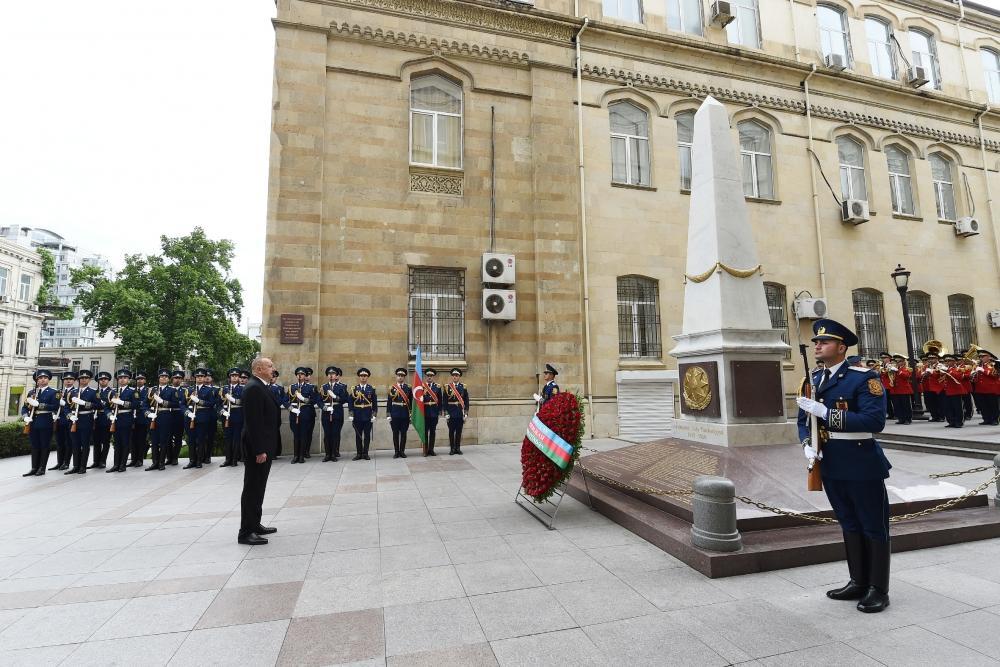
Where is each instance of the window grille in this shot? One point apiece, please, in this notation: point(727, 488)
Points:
point(778, 310)
point(921, 323)
point(639, 318)
point(437, 313)
point(869, 322)
point(962, 312)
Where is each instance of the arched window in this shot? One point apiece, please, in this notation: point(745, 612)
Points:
point(834, 38)
point(685, 139)
point(991, 68)
point(435, 122)
point(745, 27)
point(869, 321)
point(755, 150)
point(629, 144)
point(925, 55)
point(777, 308)
point(881, 54)
point(628, 10)
point(851, 154)
point(921, 322)
point(684, 16)
point(944, 189)
point(900, 186)
point(962, 311)
point(638, 317)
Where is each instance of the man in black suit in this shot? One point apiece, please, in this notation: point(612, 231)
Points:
point(261, 429)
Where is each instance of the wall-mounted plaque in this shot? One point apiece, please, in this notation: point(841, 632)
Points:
point(700, 389)
point(757, 389)
point(293, 329)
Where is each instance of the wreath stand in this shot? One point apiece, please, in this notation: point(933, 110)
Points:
point(538, 510)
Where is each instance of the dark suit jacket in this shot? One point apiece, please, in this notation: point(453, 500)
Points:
point(261, 420)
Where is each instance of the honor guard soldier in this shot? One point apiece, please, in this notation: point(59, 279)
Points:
point(86, 402)
point(232, 414)
point(102, 422)
point(39, 406)
point(161, 421)
point(201, 400)
point(177, 421)
point(397, 407)
point(64, 447)
point(213, 427)
point(140, 423)
point(901, 391)
point(364, 409)
point(550, 388)
point(433, 400)
point(457, 404)
point(281, 398)
point(334, 395)
point(302, 413)
point(124, 401)
point(850, 407)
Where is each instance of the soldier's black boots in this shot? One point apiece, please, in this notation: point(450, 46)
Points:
point(857, 566)
point(877, 597)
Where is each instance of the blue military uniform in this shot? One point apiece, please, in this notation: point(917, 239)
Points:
point(550, 388)
point(302, 413)
point(64, 448)
point(124, 400)
point(178, 402)
point(457, 404)
point(38, 419)
point(86, 402)
point(140, 423)
point(202, 400)
point(102, 422)
point(433, 398)
point(334, 395)
point(281, 398)
point(364, 409)
point(397, 405)
point(210, 429)
point(853, 467)
point(231, 411)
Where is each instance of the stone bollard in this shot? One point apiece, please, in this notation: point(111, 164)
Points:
point(996, 498)
point(714, 508)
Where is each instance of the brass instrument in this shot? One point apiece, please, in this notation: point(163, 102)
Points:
point(972, 354)
point(891, 371)
point(934, 347)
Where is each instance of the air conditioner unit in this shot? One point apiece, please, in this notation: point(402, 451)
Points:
point(916, 76)
point(834, 61)
point(721, 13)
point(4, 299)
point(993, 317)
point(854, 211)
point(809, 309)
point(967, 226)
point(498, 269)
point(499, 304)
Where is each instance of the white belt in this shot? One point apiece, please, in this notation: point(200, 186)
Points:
point(843, 435)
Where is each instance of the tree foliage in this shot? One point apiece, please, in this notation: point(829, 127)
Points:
point(47, 301)
point(175, 307)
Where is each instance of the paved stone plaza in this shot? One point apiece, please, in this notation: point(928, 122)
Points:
point(429, 562)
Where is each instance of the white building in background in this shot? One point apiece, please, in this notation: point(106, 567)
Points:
point(20, 324)
point(61, 333)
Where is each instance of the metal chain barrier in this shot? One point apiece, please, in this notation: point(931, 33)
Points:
point(801, 515)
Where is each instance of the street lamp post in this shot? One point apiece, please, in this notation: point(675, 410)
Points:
point(902, 279)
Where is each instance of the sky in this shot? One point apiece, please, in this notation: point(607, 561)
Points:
point(124, 120)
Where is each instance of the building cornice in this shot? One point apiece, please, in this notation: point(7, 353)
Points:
point(410, 40)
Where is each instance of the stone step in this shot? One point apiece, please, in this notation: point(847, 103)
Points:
point(969, 439)
point(944, 448)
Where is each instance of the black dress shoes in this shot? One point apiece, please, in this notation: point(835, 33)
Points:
point(252, 539)
point(30, 473)
point(357, 458)
point(328, 458)
point(874, 601)
point(261, 530)
point(851, 591)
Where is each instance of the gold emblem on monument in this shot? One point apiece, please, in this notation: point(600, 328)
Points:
point(697, 390)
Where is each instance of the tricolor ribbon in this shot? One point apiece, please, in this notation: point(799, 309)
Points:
point(550, 443)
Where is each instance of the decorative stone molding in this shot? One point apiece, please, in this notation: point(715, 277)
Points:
point(783, 104)
point(477, 16)
point(436, 182)
point(432, 44)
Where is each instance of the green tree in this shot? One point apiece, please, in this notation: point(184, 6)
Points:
point(176, 306)
point(46, 300)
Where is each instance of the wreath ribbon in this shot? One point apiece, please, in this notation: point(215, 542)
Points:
point(735, 273)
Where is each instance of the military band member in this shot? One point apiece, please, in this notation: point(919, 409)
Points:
point(39, 406)
point(102, 423)
point(123, 401)
point(140, 428)
point(282, 400)
point(850, 406)
point(64, 447)
point(901, 391)
point(161, 420)
point(433, 400)
point(951, 382)
point(397, 407)
point(86, 402)
point(364, 410)
point(232, 414)
point(967, 389)
point(457, 404)
point(886, 361)
point(987, 385)
point(550, 388)
point(178, 423)
point(302, 413)
point(334, 395)
point(201, 400)
point(933, 378)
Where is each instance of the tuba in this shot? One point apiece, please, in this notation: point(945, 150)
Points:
point(934, 346)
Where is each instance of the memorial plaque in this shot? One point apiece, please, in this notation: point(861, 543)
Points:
point(700, 389)
point(757, 389)
point(293, 329)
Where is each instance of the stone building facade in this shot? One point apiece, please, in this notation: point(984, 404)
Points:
point(411, 136)
point(20, 324)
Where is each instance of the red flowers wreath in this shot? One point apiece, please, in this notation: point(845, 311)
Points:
point(540, 477)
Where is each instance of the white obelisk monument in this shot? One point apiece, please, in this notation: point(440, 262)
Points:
point(729, 357)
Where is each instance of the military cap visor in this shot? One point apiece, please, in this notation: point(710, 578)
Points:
point(549, 368)
point(163, 374)
point(331, 369)
point(140, 376)
point(363, 371)
point(301, 370)
point(104, 375)
point(86, 374)
point(430, 371)
point(400, 370)
point(69, 376)
point(124, 373)
point(177, 374)
point(42, 373)
point(456, 371)
point(832, 330)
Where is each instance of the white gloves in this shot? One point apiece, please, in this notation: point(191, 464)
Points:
point(388, 418)
point(299, 396)
point(117, 401)
point(229, 398)
point(62, 402)
point(195, 400)
point(150, 415)
point(294, 411)
point(158, 400)
point(225, 413)
point(537, 397)
point(811, 453)
point(78, 400)
point(328, 408)
point(32, 402)
point(465, 416)
point(112, 418)
point(73, 418)
point(812, 407)
point(27, 419)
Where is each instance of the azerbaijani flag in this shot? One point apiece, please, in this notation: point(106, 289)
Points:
point(550, 443)
point(417, 407)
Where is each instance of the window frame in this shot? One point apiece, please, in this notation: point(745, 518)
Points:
point(992, 83)
point(871, 338)
point(739, 6)
point(844, 32)
point(434, 115)
point(754, 167)
point(932, 54)
point(776, 297)
point(956, 303)
point(21, 343)
point(641, 347)
point(682, 15)
point(619, 15)
point(419, 287)
point(921, 312)
point(24, 288)
point(852, 168)
point(628, 139)
point(890, 45)
point(896, 178)
point(683, 146)
point(940, 189)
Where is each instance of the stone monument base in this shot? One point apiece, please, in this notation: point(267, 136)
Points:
point(772, 474)
point(734, 435)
